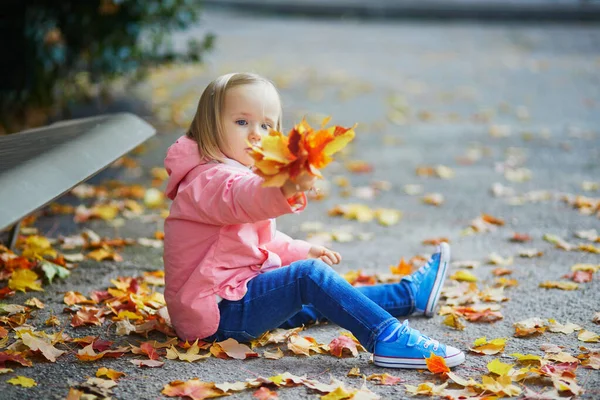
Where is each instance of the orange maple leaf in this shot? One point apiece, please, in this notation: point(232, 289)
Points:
point(436, 364)
point(403, 268)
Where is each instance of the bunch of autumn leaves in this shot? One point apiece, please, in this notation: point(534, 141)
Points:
point(305, 150)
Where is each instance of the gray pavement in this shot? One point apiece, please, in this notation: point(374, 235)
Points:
point(454, 84)
point(548, 10)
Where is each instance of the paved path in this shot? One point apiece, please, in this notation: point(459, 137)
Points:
point(536, 88)
point(553, 10)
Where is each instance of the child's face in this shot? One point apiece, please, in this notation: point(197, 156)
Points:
point(249, 112)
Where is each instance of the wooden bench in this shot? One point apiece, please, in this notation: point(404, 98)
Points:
point(39, 165)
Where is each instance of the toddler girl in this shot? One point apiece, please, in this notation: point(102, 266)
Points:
point(231, 274)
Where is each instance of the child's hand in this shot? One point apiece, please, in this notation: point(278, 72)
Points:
point(303, 183)
point(330, 257)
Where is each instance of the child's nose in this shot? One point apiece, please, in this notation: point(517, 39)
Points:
point(254, 134)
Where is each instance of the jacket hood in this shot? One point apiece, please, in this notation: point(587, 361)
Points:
point(182, 157)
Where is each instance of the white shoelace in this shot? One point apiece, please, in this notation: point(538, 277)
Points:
point(429, 341)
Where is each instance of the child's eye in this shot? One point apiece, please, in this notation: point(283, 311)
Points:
point(266, 127)
point(241, 122)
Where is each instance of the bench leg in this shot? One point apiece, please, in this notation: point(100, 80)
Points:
point(13, 234)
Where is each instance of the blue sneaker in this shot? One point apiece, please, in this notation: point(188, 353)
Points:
point(411, 348)
point(429, 279)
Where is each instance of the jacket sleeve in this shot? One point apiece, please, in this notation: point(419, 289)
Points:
point(288, 249)
point(225, 197)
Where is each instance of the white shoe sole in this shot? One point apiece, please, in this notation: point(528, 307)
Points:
point(415, 363)
point(439, 279)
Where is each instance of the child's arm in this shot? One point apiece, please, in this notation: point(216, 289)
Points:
point(224, 197)
point(288, 249)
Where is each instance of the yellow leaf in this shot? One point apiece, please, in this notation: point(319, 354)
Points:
point(107, 212)
point(38, 246)
point(339, 393)
point(22, 279)
point(559, 285)
point(453, 321)
point(498, 367)
point(154, 198)
point(463, 275)
point(22, 381)
point(339, 142)
point(426, 388)
point(388, 216)
point(586, 267)
point(190, 355)
point(109, 373)
point(495, 346)
point(501, 385)
point(526, 358)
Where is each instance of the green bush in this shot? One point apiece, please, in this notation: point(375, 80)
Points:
point(49, 43)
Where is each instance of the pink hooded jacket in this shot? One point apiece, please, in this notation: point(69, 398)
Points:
point(220, 233)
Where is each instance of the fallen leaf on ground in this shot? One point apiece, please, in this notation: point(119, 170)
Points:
point(46, 348)
point(341, 343)
point(436, 364)
point(273, 355)
point(527, 358)
point(265, 393)
point(22, 381)
point(453, 321)
point(588, 336)
point(434, 199)
point(23, 279)
point(559, 285)
point(190, 355)
point(463, 275)
point(580, 276)
point(520, 238)
point(567, 329)
point(385, 379)
point(109, 373)
point(498, 367)
point(236, 350)
point(530, 253)
point(494, 346)
point(530, 326)
point(403, 268)
point(427, 389)
point(147, 363)
point(194, 389)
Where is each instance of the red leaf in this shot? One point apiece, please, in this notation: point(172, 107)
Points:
point(337, 346)
point(14, 357)
point(580, 276)
point(147, 348)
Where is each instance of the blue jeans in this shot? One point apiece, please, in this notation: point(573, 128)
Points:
point(310, 290)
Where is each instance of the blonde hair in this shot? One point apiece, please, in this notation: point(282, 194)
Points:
point(206, 127)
